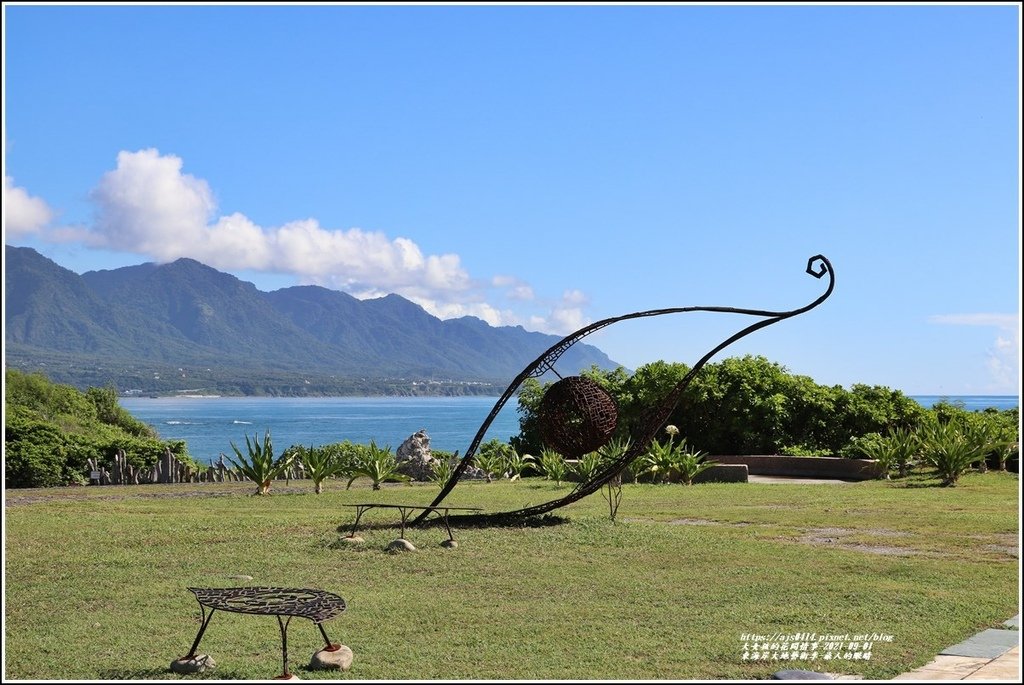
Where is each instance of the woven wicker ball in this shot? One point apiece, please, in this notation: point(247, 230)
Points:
point(576, 416)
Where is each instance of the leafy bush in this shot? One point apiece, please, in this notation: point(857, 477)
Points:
point(745, 405)
point(951, 449)
point(589, 465)
point(51, 431)
point(518, 464)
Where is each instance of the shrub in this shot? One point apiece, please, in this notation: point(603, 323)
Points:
point(518, 464)
point(589, 465)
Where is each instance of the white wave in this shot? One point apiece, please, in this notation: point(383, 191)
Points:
point(248, 423)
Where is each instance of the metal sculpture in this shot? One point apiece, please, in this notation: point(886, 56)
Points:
point(577, 419)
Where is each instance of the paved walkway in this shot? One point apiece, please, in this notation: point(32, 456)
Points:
point(991, 655)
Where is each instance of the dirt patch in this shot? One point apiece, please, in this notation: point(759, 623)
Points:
point(838, 538)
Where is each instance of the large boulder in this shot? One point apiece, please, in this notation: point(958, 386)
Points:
point(415, 460)
point(413, 456)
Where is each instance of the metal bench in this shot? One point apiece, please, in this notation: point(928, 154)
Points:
point(441, 511)
point(316, 605)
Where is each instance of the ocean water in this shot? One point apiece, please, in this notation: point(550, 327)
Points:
point(970, 402)
point(210, 424)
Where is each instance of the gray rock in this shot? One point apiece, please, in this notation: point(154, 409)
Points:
point(195, 664)
point(416, 461)
point(352, 540)
point(339, 658)
point(451, 544)
point(400, 545)
point(414, 458)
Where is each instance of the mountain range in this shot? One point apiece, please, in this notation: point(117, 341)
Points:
point(168, 327)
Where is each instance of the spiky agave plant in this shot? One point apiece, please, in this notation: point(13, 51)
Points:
point(260, 466)
point(321, 464)
point(552, 465)
point(379, 465)
point(690, 463)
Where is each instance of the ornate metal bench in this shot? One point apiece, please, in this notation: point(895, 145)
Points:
point(316, 605)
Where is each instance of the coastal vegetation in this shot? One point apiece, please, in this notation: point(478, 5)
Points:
point(51, 431)
point(738, 406)
point(750, 405)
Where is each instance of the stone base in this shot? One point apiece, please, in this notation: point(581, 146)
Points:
point(336, 658)
point(451, 544)
point(400, 545)
point(289, 676)
point(352, 540)
point(193, 664)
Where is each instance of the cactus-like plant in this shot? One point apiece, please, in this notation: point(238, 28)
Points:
point(260, 466)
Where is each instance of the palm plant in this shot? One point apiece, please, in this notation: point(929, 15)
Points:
point(379, 465)
point(260, 466)
point(874, 446)
point(321, 464)
point(905, 446)
point(552, 465)
point(895, 450)
point(659, 461)
point(1007, 446)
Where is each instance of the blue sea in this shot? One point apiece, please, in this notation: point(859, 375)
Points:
point(210, 424)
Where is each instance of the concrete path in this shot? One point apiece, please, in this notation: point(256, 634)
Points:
point(991, 655)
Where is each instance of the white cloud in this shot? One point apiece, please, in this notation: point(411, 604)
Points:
point(23, 213)
point(147, 205)
point(1002, 359)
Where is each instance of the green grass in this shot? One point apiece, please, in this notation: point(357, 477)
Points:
point(96, 578)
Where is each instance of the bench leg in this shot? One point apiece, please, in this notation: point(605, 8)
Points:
point(202, 629)
point(447, 527)
point(359, 515)
point(331, 647)
point(283, 625)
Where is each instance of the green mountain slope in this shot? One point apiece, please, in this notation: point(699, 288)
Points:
point(198, 325)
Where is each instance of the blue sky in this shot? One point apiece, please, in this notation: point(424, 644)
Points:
point(548, 166)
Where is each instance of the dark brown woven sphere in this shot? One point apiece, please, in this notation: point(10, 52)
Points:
point(576, 416)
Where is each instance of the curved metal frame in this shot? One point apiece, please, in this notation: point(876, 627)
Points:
point(817, 266)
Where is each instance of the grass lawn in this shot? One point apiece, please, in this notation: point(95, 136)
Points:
point(96, 578)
